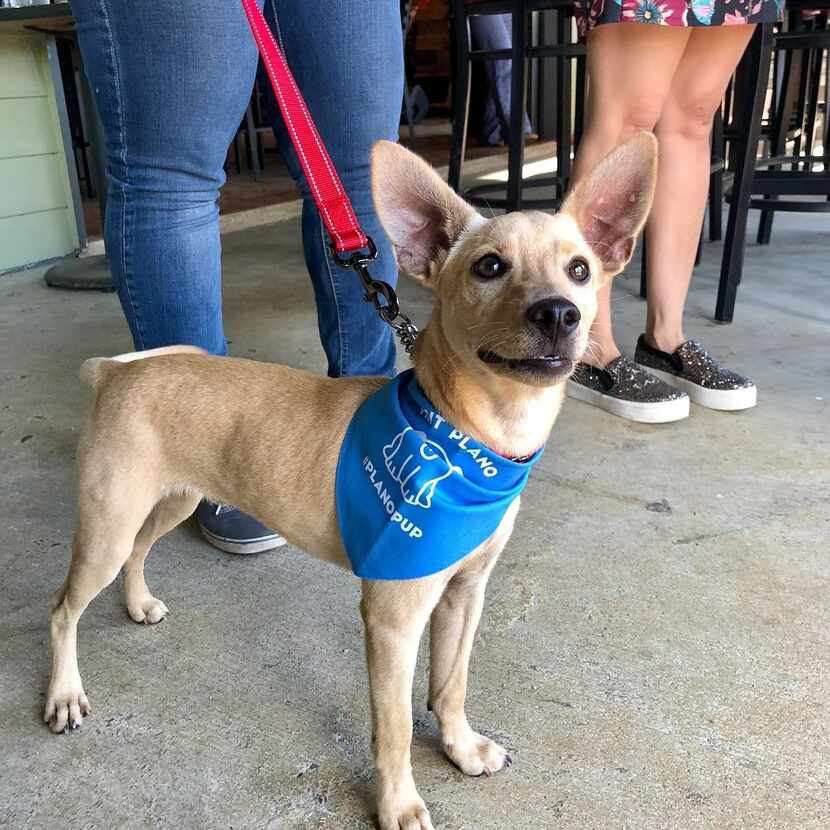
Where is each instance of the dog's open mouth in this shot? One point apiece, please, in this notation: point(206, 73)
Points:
point(550, 366)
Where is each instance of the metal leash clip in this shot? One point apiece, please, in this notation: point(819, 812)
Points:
point(380, 294)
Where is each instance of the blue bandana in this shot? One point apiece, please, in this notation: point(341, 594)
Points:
point(414, 495)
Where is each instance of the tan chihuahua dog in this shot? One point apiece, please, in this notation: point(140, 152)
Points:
point(515, 296)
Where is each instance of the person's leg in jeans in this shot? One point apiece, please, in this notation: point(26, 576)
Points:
point(491, 32)
point(171, 82)
point(347, 58)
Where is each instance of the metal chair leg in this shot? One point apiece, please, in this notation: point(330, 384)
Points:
point(518, 100)
point(581, 100)
point(251, 139)
point(814, 66)
point(410, 116)
point(826, 137)
point(755, 71)
point(716, 207)
point(716, 181)
point(563, 96)
point(236, 157)
point(788, 104)
point(460, 96)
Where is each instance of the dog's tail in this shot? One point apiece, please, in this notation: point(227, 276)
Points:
point(94, 369)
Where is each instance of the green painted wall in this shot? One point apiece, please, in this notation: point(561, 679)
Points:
point(37, 219)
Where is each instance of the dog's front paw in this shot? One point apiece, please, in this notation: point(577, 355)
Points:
point(148, 610)
point(65, 708)
point(474, 754)
point(407, 814)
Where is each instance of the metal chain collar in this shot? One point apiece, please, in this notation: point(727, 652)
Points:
point(381, 295)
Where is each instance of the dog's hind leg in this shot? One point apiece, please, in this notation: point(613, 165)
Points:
point(142, 606)
point(109, 519)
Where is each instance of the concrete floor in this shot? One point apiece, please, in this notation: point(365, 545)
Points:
point(647, 667)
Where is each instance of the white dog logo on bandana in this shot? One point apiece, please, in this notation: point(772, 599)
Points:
point(430, 457)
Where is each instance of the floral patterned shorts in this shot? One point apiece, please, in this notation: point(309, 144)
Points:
point(591, 13)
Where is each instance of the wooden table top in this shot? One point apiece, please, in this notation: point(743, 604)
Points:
point(54, 18)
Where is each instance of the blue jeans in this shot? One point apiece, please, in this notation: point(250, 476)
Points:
point(495, 31)
point(172, 80)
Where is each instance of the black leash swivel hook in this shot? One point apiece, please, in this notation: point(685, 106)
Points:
point(382, 296)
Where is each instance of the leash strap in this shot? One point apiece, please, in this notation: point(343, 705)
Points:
point(326, 188)
point(351, 247)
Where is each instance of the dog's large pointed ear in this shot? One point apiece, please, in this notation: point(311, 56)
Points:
point(419, 211)
point(612, 203)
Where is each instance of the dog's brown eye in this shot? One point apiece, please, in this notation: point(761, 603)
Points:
point(489, 267)
point(578, 270)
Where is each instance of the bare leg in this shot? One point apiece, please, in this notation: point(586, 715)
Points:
point(142, 606)
point(630, 69)
point(394, 616)
point(683, 130)
point(452, 630)
point(108, 522)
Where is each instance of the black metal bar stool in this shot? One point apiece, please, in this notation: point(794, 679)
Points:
point(80, 143)
point(755, 186)
point(565, 50)
point(802, 51)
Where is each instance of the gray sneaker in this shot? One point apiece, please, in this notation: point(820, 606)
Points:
point(232, 531)
point(624, 389)
point(691, 368)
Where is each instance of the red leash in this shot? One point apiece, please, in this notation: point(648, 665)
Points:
point(326, 188)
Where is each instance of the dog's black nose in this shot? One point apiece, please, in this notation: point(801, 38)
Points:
point(555, 316)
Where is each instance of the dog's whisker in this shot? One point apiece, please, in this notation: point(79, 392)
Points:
point(489, 207)
point(488, 323)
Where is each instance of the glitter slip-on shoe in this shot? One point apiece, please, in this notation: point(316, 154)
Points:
point(624, 389)
point(691, 368)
